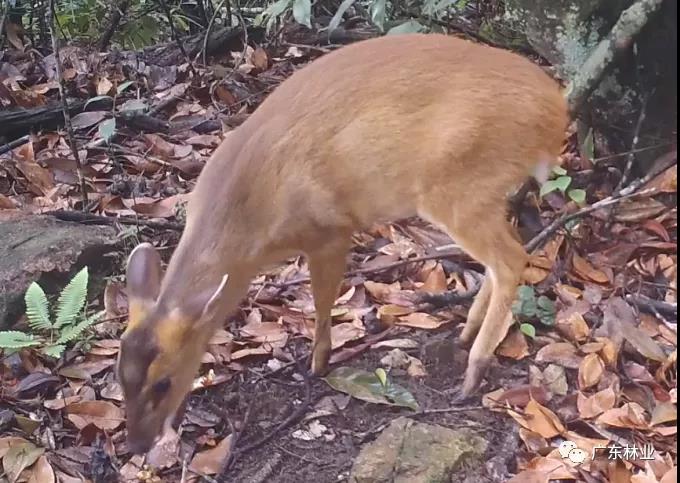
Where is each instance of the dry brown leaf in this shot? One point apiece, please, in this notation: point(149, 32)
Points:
point(598, 403)
point(632, 211)
point(664, 412)
point(380, 291)
point(389, 313)
point(260, 59)
point(590, 371)
point(557, 469)
point(574, 327)
point(540, 420)
point(420, 320)
point(533, 441)
point(561, 353)
point(515, 345)
point(586, 270)
point(346, 332)
point(42, 472)
point(40, 179)
point(61, 403)
point(209, 461)
point(630, 416)
point(6, 203)
point(436, 281)
point(103, 414)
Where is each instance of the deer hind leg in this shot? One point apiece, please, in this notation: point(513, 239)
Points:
point(477, 312)
point(327, 268)
point(494, 244)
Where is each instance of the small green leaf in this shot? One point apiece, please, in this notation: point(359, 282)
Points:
point(546, 310)
point(559, 171)
point(302, 12)
point(578, 196)
point(55, 350)
point(367, 386)
point(560, 184)
point(72, 299)
point(107, 129)
point(13, 339)
point(37, 309)
point(525, 305)
point(98, 98)
point(409, 27)
point(124, 86)
point(528, 330)
point(382, 375)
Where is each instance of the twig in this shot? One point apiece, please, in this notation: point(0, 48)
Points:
point(628, 192)
point(454, 409)
point(292, 419)
point(630, 159)
point(361, 271)
point(6, 148)
point(650, 305)
point(85, 218)
point(3, 18)
point(209, 30)
point(601, 59)
point(65, 108)
point(175, 36)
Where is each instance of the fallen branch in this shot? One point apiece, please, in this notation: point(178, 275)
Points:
point(87, 218)
point(6, 148)
point(653, 306)
point(601, 59)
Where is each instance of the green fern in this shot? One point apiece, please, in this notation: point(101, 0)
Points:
point(37, 309)
point(54, 350)
point(13, 339)
point(72, 299)
point(72, 332)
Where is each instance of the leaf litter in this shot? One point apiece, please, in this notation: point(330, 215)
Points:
point(604, 371)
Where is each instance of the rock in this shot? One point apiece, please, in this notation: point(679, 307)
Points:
point(412, 452)
point(46, 250)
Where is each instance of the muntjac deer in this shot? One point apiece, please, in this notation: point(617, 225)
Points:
point(384, 129)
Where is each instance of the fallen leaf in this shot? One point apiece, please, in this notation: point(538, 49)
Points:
point(42, 471)
point(514, 346)
point(368, 387)
point(590, 371)
point(102, 414)
point(436, 281)
point(598, 403)
point(420, 320)
point(586, 270)
point(664, 412)
point(210, 461)
point(19, 457)
point(540, 420)
point(574, 327)
point(561, 353)
point(629, 416)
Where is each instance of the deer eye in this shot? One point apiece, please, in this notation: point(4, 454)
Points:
point(160, 388)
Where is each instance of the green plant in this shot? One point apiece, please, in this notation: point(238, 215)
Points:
point(562, 182)
point(529, 308)
point(52, 335)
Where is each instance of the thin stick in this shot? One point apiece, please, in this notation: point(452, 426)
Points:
point(175, 36)
point(65, 108)
point(209, 30)
point(630, 159)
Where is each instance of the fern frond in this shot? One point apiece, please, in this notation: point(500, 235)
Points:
point(13, 339)
point(37, 308)
point(72, 332)
point(54, 350)
point(72, 299)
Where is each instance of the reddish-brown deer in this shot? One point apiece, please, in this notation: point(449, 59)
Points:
point(384, 129)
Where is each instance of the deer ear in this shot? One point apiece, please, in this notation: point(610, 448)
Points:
point(143, 275)
point(204, 307)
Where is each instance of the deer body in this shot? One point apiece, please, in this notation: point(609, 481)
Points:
point(384, 129)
